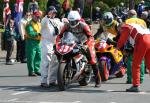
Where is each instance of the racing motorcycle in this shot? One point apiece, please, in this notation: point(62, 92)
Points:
point(109, 58)
point(73, 65)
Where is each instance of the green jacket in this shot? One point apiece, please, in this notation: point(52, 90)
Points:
point(33, 31)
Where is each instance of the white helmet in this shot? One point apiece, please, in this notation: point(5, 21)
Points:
point(74, 18)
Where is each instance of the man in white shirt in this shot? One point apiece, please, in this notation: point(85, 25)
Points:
point(22, 25)
point(49, 64)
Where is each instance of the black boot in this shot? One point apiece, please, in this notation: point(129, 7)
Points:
point(97, 75)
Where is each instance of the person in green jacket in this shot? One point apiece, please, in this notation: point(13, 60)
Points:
point(33, 45)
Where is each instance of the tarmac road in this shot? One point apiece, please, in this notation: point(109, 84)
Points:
point(17, 87)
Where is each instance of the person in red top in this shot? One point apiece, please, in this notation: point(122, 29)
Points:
point(6, 13)
point(82, 32)
point(140, 37)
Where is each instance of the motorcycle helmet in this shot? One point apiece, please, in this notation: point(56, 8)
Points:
point(108, 18)
point(73, 18)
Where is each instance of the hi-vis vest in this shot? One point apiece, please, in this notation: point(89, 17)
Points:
point(136, 21)
point(37, 29)
point(138, 24)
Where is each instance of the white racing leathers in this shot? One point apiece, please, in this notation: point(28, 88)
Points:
point(49, 63)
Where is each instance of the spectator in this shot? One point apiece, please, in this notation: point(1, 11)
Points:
point(49, 62)
point(66, 7)
point(10, 37)
point(140, 8)
point(33, 6)
point(79, 4)
point(22, 25)
point(56, 4)
point(17, 15)
point(33, 46)
point(144, 16)
point(98, 14)
point(6, 13)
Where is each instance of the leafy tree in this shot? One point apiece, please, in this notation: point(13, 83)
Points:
point(42, 3)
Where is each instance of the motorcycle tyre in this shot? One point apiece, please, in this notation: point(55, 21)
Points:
point(104, 71)
point(121, 72)
point(60, 77)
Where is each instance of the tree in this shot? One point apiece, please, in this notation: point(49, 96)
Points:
point(131, 4)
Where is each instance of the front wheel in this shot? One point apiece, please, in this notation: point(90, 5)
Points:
point(62, 76)
point(121, 72)
point(104, 71)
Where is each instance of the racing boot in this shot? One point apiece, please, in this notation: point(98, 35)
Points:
point(133, 89)
point(97, 75)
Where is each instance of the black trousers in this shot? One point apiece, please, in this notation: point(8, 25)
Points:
point(10, 48)
point(21, 54)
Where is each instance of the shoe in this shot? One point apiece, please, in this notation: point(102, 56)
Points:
point(53, 84)
point(97, 81)
point(17, 60)
point(33, 75)
point(98, 85)
point(24, 61)
point(133, 89)
point(9, 62)
point(44, 85)
point(141, 81)
point(128, 82)
point(38, 73)
point(97, 76)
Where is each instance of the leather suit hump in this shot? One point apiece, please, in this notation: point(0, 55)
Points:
point(78, 32)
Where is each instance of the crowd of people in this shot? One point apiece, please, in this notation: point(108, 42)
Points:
point(37, 32)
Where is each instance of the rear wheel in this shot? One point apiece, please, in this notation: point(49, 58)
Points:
point(104, 71)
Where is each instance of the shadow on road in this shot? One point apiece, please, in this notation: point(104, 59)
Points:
point(113, 83)
point(13, 76)
point(30, 88)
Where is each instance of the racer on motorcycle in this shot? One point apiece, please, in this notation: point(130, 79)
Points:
point(108, 25)
point(82, 32)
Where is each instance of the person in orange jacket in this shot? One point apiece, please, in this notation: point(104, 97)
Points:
point(132, 18)
point(140, 38)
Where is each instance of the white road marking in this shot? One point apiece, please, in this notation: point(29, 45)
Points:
point(77, 102)
point(113, 102)
point(110, 90)
point(22, 88)
point(15, 101)
point(142, 93)
point(11, 100)
point(62, 102)
point(8, 101)
point(22, 92)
